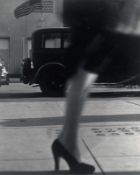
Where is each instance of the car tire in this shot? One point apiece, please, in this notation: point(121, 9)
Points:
point(52, 79)
point(51, 90)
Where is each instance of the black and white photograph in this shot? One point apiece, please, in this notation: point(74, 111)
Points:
point(69, 87)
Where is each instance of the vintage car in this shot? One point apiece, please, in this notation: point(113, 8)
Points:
point(47, 67)
point(4, 75)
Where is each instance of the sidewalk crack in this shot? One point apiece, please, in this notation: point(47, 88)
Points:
point(133, 103)
point(94, 158)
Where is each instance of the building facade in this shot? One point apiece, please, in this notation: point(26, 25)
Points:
point(15, 33)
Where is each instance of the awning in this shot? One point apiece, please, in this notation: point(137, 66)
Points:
point(34, 6)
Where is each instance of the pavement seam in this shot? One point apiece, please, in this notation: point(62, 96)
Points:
point(133, 103)
point(94, 158)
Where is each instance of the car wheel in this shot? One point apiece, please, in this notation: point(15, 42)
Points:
point(52, 79)
point(52, 89)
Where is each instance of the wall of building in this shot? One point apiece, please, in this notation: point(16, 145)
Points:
point(18, 30)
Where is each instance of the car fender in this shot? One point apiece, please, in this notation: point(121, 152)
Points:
point(45, 67)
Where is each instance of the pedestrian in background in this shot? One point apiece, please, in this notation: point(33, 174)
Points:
point(1, 69)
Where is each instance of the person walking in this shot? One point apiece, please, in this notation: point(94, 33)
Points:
point(100, 30)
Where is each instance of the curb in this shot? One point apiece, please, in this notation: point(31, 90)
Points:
point(115, 94)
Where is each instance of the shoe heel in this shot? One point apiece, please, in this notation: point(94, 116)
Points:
point(56, 158)
point(56, 163)
point(59, 151)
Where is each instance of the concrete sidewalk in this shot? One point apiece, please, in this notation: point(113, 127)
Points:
point(109, 136)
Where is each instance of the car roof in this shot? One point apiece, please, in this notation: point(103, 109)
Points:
point(51, 30)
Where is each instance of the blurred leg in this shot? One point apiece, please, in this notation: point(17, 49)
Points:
point(77, 94)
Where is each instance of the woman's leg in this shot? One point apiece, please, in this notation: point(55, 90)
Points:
point(77, 94)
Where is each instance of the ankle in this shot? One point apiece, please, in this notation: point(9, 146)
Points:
point(73, 149)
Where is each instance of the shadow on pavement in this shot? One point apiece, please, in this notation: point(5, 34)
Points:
point(62, 172)
point(58, 120)
point(122, 173)
point(115, 94)
point(20, 95)
point(34, 173)
point(27, 96)
point(41, 173)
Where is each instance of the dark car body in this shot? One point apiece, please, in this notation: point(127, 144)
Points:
point(48, 62)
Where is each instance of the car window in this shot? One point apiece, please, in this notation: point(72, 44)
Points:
point(67, 40)
point(52, 40)
point(53, 43)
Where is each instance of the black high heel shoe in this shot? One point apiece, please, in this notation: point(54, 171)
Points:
point(59, 151)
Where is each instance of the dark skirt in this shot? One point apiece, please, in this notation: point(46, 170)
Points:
point(95, 48)
point(107, 53)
